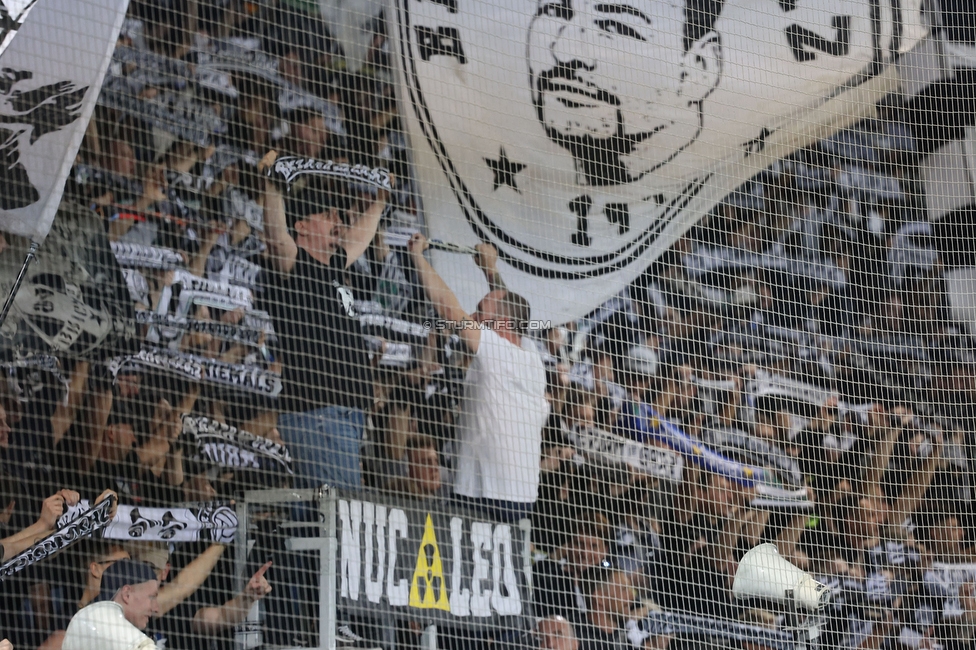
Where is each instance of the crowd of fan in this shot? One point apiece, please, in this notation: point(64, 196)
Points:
point(820, 271)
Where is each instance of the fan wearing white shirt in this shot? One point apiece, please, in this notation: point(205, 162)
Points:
point(504, 408)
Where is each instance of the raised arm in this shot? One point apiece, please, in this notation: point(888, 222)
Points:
point(487, 261)
point(445, 302)
point(886, 437)
point(213, 620)
point(359, 235)
point(51, 511)
point(918, 483)
point(281, 246)
point(189, 579)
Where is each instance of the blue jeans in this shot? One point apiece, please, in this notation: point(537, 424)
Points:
point(324, 445)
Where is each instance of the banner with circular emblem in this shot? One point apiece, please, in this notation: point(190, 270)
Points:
point(583, 138)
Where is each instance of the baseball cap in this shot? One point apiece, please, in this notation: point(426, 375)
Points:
point(122, 573)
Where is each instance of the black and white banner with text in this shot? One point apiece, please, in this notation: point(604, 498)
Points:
point(430, 561)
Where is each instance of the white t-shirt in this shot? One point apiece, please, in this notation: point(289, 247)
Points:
point(103, 626)
point(500, 430)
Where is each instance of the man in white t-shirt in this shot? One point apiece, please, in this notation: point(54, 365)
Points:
point(119, 616)
point(504, 408)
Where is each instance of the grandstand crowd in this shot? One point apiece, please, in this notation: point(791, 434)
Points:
point(803, 327)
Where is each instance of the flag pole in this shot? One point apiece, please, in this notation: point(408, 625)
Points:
point(31, 252)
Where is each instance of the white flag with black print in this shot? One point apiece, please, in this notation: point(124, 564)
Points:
point(583, 138)
point(50, 75)
point(12, 16)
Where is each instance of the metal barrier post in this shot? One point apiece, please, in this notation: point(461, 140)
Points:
point(428, 640)
point(325, 544)
point(328, 568)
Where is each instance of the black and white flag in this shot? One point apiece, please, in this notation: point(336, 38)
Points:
point(13, 13)
point(583, 139)
point(50, 75)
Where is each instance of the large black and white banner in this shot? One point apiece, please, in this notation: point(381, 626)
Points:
point(430, 560)
point(583, 138)
point(50, 75)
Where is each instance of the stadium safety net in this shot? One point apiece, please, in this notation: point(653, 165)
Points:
point(487, 324)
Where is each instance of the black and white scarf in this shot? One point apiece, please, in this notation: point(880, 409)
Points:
point(91, 182)
point(231, 57)
point(692, 625)
point(215, 522)
point(374, 321)
point(146, 257)
point(223, 445)
point(249, 331)
point(241, 296)
point(240, 377)
point(185, 117)
point(757, 451)
point(143, 68)
point(288, 168)
point(237, 271)
point(68, 533)
point(653, 461)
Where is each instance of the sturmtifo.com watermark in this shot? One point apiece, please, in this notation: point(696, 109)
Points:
point(441, 324)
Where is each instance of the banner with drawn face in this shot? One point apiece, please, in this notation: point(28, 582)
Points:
point(583, 138)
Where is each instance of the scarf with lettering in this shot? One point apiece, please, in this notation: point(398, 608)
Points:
point(236, 376)
point(69, 532)
point(219, 444)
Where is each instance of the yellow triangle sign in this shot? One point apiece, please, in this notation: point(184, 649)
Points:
point(428, 590)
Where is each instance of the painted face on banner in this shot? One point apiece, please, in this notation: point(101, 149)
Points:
point(583, 138)
point(614, 85)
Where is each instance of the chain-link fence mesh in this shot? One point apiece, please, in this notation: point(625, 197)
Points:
point(487, 324)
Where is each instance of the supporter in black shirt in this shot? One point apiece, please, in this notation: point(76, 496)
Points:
point(125, 461)
point(326, 371)
point(558, 591)
point(610, 602)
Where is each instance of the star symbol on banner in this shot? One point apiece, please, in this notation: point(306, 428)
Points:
point(504, 171)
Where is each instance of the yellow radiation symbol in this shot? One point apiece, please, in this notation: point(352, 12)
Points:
point(427, 591)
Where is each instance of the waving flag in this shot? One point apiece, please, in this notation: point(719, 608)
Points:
point(583, 138)
point(50, 75)
point(12, 16)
